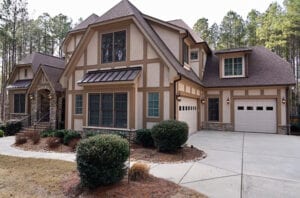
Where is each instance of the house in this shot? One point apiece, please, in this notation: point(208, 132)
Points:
point(127, 70)
point(34, 93)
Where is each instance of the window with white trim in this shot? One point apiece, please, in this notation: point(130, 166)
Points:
point(233, 67)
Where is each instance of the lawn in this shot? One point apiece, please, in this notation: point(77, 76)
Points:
point(28, 177)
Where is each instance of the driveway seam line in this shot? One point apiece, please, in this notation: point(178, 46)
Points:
point(269, 155)
point(186, 172)
point(210, 179)
point(242, 166)
point(273, 178)
point(217, 167)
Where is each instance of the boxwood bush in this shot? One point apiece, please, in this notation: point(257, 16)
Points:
point(1, 133)
point(169, 135)
point(70, 135)
point(100, 160)
point(11, 128)
point(144, 137)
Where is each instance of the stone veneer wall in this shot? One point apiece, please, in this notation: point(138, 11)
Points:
point(282, 130)
point(130, 135)
point(217, 126)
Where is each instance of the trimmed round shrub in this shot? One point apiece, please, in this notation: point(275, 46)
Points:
point(100, 160)
point(169, 135)
point(70, 135)
point(144, 137)
point(1, 133)
point(59, 133)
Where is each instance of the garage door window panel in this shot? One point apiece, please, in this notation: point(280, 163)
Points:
point(213, 109)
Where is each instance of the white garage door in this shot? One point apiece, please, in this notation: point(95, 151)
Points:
point(255, 115)
point(187, 112)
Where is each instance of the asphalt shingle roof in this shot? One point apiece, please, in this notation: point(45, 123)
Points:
point(265, 68)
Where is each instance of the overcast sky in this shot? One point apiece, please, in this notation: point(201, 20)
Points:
point(188, 10)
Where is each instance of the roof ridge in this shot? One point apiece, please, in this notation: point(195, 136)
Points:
point(43, 54)
point(45, 65)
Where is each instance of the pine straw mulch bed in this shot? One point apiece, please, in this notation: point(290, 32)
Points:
point(137, 152)
point(151, 187)
point(39, 178)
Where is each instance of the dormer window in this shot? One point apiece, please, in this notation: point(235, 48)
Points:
point(113, 47)
point(233, 67)
point(185, 53)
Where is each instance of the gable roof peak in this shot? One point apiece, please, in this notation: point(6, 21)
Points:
point(122, 9)
point(86, 22)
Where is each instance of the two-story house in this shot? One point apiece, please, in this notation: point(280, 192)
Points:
point(127, 70)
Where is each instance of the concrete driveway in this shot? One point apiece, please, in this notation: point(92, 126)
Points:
point(246, 165)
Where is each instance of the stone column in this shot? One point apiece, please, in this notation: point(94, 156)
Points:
point(53, 110)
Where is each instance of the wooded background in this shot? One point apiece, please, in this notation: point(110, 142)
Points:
point(278, 28)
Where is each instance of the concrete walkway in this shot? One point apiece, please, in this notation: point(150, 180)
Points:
point(237, 165)
point(7, 149)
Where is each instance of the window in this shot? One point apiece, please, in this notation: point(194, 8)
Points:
point(240, 108)
point(108, 110)
point(233, 66)
point(213, 109)
point(269, 108)
point(249, 108)
point(259, 108)
point(194, 55)
point(121, 110)
point(185, 53)
point(153, 104)
point(25, 73)
point(19, 103)
point(78, 104)
point(113, 47)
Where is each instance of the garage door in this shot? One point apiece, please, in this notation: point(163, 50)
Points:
point(187, 112)
point(255, 115)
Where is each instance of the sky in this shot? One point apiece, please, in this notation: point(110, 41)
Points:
point(188, 10)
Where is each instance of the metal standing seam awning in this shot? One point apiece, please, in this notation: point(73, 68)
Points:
point(20, 84)
point(111, 75)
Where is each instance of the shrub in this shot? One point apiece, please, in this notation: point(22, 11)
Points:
point(73, 143)
point(169, 135)
point(53, 142)
point(143, 137)
point(1, 133)
point(100, 160)
point(34, 136)
point(47, 133)
point(138, 172)
point(70, 135)
point(20, 139)
point(59, 134)
point(13, 127)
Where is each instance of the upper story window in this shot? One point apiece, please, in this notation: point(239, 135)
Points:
point(185, 53)
point(194, 55)
point(113, 47)
point(233, 67)
point(25, 73)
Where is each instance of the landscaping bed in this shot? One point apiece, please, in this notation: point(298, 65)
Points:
point(28, 177)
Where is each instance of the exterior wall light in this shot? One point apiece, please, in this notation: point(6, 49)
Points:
point(203, 101)
point(228, 101)
point(178, 97)
point(283, 100)
point(50, 96)
point(31, 96)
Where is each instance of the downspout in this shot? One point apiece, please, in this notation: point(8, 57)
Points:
point(175, 97)
point(179, 79)
point(288, 105)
